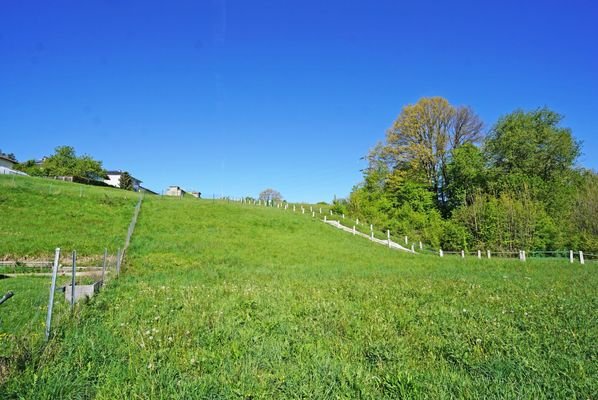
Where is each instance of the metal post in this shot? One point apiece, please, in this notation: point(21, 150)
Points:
point(73, 277)
point(118, 262)
point(52, 289)
point(104, 265)
point(6, 297)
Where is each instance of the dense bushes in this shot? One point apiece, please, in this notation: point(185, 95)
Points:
point(517, 188)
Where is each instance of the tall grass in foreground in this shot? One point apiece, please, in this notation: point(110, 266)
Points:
point(229, 301)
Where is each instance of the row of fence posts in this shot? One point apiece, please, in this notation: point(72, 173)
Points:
point(55, 266)
point(285, 206)
point(522, 255)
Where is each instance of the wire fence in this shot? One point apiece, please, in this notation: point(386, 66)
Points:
point(26, 282)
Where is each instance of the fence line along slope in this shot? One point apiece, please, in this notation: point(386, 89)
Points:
point(227, 301)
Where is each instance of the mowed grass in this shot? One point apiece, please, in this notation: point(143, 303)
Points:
point(37, 215)
point(227, 301)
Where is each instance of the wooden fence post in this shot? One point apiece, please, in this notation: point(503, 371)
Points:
point(581, 259)
point(354, 230)
point(440, 253)
point(462, 253)
point(571, 256)
point(488, 251)
point(479, 254)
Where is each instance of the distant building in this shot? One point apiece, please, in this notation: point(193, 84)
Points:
point(196, 194)
point(174, 191)
point(7, 162)
point(114, 180)
point(7, 166)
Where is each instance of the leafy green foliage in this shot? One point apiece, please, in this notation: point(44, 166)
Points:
point(65, 162)
point(520, 190)
point(126, 181)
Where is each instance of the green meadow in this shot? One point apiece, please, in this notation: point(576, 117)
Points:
point(221, 300)
point(37, 215)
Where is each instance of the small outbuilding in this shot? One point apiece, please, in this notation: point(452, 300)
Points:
point(175, 191)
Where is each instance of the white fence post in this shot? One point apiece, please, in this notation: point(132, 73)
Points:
point(581, 259)
point(52, 290)
point(479, 254)
point(324, 218)
point(571, 256)
point(412, 248)
point(406, 241)
point(440, 253)
point(462, 253)
point(371, 235)
point(421, 246)
point(313, 214)
point(354, 230)
point(357, 221)
point(488, 251)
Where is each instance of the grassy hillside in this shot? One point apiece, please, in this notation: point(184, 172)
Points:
point(227, 301)
point(37, 215)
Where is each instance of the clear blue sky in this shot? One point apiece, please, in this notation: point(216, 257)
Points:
point(236, 96)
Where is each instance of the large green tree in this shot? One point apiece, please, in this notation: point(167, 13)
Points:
point(532, 144)
point(65, 162)
point(423, 136)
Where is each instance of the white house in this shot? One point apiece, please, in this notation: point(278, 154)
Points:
point(7, 166)
point(174, 191)
point(114, 180)
point(7, 162)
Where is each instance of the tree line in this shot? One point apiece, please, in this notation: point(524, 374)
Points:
point(442, 178)
point(66, 162)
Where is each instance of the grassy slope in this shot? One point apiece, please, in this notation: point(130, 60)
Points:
point(38, 215)
point(222, 301)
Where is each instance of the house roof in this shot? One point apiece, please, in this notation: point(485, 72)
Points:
point(8, 159)
point(119, 173)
